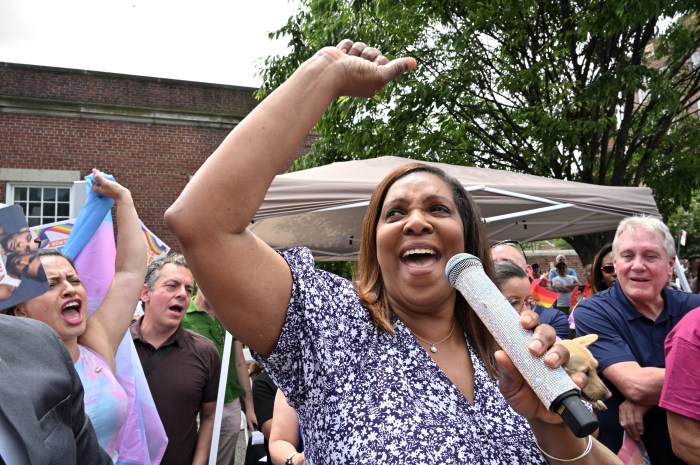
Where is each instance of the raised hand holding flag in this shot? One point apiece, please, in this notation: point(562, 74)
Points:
point(141, 440)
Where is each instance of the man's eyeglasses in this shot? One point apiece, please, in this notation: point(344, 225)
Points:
point(608, 269)
point(519, 305)
point(512, 243)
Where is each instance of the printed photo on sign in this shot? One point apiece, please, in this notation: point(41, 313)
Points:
point(21, 275)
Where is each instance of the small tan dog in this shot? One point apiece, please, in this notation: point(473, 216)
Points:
point(582, 360)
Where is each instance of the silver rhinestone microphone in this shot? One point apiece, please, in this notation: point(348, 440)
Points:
point(553, 386)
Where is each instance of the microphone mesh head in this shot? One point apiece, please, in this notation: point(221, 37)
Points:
point(457, 264)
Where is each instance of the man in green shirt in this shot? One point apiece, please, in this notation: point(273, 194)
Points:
point(201, 319)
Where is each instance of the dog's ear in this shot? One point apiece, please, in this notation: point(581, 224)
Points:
point(586, 340)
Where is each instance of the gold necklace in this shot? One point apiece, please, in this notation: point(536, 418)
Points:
point(433, 345)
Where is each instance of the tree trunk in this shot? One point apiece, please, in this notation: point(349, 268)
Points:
point(588, 245)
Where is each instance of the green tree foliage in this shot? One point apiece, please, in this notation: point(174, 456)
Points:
point(588, 91)
point(344, 269)
point(688, 220)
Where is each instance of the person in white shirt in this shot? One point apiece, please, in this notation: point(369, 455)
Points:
point(564, 284)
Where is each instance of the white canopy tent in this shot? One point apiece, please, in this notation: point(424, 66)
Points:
point(322, 208)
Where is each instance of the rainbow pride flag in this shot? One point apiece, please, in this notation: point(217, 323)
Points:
point(53, 235)
point(91, 245)
point(155, 248)
point(542, 295)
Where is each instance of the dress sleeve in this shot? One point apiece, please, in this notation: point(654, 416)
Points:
point(324, 335)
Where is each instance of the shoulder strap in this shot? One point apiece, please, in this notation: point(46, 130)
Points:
point(155, 358)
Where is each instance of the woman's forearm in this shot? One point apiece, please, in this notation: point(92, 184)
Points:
point(131, 246)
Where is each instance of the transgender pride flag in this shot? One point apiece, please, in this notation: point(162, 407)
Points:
point(91, 245)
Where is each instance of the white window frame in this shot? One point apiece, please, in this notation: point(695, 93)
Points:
point(37, 178)
point(42, 218)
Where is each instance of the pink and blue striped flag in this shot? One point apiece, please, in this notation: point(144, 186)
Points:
point(91, 245)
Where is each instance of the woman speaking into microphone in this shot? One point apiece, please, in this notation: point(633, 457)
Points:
point(393, 367)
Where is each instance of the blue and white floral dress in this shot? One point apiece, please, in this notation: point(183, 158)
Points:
point(365, 396)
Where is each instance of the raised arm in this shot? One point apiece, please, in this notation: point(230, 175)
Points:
point(247, 282)
point(108, 324)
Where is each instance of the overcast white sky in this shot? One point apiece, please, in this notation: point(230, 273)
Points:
point(217, 41)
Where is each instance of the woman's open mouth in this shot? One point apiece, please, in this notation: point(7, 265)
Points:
point(72, 312)
point(420, 257)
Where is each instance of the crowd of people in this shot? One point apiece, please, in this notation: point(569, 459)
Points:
point(393, 366)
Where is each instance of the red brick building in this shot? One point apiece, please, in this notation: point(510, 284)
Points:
point(151, 134)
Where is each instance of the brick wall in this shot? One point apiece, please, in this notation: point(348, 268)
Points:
point(46, 83)
point(547, 260)
point(151, 134)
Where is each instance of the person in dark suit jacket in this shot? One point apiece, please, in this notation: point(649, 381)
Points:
point(42, 416)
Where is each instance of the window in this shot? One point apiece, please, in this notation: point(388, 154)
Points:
point(46, 196)
point(42, 204)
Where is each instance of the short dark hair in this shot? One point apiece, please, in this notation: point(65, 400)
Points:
point(505, 270)
point(153, 272)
